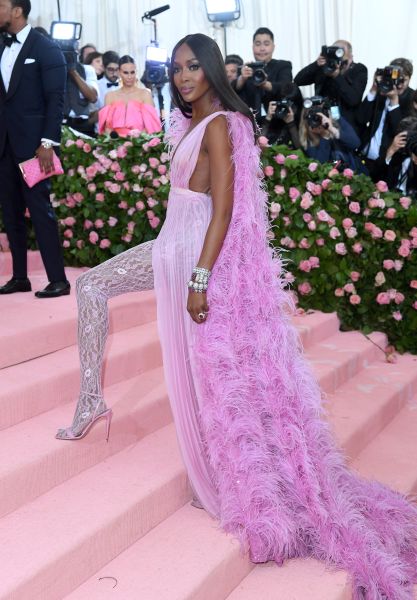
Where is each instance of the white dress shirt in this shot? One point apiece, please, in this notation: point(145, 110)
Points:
point(103, 90)
point(10, 55)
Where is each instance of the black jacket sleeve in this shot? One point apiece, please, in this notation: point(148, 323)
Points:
point(308, 75)
point(352, 84)
point(54, 77)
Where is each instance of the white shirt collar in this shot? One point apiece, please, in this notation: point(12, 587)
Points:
point(23, 34)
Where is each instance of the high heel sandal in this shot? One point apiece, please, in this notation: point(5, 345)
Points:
point(66, 434)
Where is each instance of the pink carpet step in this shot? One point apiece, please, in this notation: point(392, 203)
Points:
point(29, 389)
point(34, 263)
point(361, 408)
point(30, 327)
point(52, 544)
point(32, 461)
point(184, 558)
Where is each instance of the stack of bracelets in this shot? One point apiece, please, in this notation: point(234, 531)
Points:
point(199, 280)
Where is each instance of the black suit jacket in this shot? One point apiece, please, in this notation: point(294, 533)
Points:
point(346, 89)
point(32, 108)
point(278, 71)
point(369, 116)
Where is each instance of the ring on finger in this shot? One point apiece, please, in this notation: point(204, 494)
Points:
point(202, 316)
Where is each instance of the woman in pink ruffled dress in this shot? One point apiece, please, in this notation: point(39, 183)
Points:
point(259, 455)
point(130, 107)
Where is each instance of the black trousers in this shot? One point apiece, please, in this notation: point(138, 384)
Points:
point(15, 197)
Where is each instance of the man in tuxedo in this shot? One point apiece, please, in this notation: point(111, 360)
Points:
point(110, 80)
point(258, 93)
point(32, 86)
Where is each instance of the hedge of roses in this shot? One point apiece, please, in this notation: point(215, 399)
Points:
point(349, 245)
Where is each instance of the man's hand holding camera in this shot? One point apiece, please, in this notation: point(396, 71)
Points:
point(257, 74)
point(288, 118)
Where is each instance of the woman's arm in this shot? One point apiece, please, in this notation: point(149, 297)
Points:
point(217, 144)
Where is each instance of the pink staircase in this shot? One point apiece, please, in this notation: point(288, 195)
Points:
point(91, 520)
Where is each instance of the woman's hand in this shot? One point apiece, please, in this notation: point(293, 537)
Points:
point(197, 306)
point(398, 142)
point(271, 110)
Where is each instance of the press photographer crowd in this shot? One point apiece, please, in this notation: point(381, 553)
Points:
point(104, 93)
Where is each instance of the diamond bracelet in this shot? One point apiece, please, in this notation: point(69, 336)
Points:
point(199, 280)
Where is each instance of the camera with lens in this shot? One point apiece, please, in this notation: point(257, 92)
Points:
point(259, 74)
point(314, 106)
point(66, 35)
point(334, 58)
point(388, 77)
point(282, 108)
point(411, 144)
point(156, 66)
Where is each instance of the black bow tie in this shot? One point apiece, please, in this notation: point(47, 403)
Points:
point(111, 84)
point(9, 39)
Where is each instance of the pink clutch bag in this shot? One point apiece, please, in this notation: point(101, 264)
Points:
point(32, 173)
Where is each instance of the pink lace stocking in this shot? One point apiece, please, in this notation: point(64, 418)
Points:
point(130, 271)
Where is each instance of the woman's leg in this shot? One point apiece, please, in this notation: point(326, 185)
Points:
point(130, 271)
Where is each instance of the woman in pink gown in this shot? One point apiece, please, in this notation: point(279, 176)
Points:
point(130, 107)
point(247, 409)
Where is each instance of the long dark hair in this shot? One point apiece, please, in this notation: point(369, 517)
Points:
point(209, 56)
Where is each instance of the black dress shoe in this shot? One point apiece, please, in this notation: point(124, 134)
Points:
point(16, 285)
point(55, 289)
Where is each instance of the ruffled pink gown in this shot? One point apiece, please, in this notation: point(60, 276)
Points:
point(122, 118)
point(246, 407)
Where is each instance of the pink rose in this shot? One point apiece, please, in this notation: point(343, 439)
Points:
point(112, 221)
point(390, 213)
point(383, 298)
point(88, 224)
point(70, 221)
point(150, 214)
point(79, 143)
point(399, 297)
point(154, 142)
point(413, 232)
point(325, 183)
point(312, 226)
point(68, 233)
point(140, 205)
point(156, 183)
point(153, 162)
point(69, 143)
point(162, 169)
point(389, 235)
point(397, 315)
point(355, 207)
point(348, 173)
point(413, 284)
point(123, 204)
point(405, 202)
point(127, 238)
point(388, 264)
point(349, 288)
point(307, 217)
point(100, 197)
point(304, 288)
point(131, 226)
point(263, 141)
point(79, 244)
point(351, 232)
point(280, 159)
point(305, 244)
point(334, 233)
point(333, 173)
point(312, 167)
point(93, 237)
point(91, 171)
point(306, 201)
point(404, 251)
point(121, 153)
point(376, 233)
point(355, 299)
point(340, 249)
point(135, 169)
point(87, 148)
point(283, 173)
point(381, 186)
point(119, 176)
point(91, 187)
point(347, 223)
point(154, 222)
point(294, 193)
point(398, 265)
point(346, 191)
point(292, 157)
point(357, 248)
point(355, 276)
point(322, 215)
point(66, 244)
point(320, 242)
point(98, 223)
point(115, 167)
point(305, 266)
point(151, 203)
point(105, 243)
point(114, 188)
point(339, 292)
point(415, 305)
point(279, 189)
point(314, 262)
point(373, 203)
point(78, 197)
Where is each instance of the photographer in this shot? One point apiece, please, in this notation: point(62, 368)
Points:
point(379, 115)
point(81, 92)
point(258, 82)
point(233, 64)
point(281, 123)
point(337, 77)
point(401, 158)
point(325, 139)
